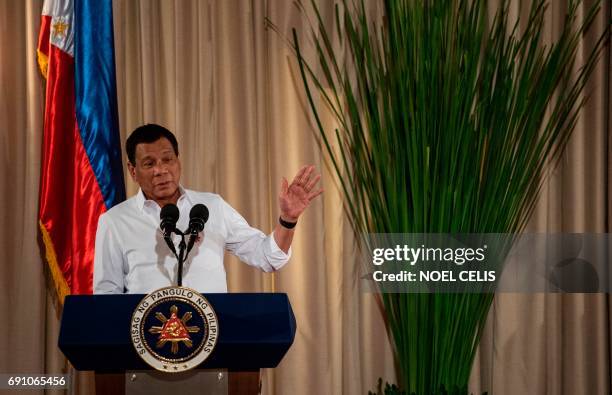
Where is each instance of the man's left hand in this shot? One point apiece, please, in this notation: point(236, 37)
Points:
point(295, 197)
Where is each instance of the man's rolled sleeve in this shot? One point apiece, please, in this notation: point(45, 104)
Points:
point(277, 257)
point(251, 245)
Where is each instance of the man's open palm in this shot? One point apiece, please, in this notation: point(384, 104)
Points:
point(295, 197)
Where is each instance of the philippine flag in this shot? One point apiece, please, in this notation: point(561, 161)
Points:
point(81, 175)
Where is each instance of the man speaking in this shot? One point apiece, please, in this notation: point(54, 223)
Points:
point(132, 255)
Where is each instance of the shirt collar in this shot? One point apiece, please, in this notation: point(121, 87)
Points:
point(141, 199)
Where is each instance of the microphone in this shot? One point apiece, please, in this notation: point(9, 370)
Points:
point(169, 215)
point(197, 219)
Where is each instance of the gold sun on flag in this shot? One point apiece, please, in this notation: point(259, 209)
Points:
point(60, 29)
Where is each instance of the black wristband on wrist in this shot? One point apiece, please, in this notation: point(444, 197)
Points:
point(285, 224)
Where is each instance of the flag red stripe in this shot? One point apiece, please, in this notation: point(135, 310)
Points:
point(70, 201)
point(43, 35)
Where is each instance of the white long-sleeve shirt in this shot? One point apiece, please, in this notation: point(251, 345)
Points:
point(131, 255)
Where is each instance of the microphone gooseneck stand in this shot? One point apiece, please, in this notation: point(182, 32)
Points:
point(197, 219)
point(181, 256)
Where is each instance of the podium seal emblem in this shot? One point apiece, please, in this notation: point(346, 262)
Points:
point(174, 329)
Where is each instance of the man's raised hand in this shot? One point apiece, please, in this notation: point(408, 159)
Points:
point(294, 198)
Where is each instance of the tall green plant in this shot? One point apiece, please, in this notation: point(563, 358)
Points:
point(447, 122)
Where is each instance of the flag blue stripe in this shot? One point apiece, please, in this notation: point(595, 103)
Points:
point(96, 95)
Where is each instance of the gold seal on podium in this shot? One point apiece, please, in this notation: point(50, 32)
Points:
point(174, 329)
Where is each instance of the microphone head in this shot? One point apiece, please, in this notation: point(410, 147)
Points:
point(169, 215)
point(198, 217)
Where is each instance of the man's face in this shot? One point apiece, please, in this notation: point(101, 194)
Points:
point(157, 170)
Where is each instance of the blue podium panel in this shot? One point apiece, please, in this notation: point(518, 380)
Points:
point(255, 331)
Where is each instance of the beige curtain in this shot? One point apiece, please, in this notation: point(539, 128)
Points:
point(212, 72)
point(553, 343)
point(28, 320)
